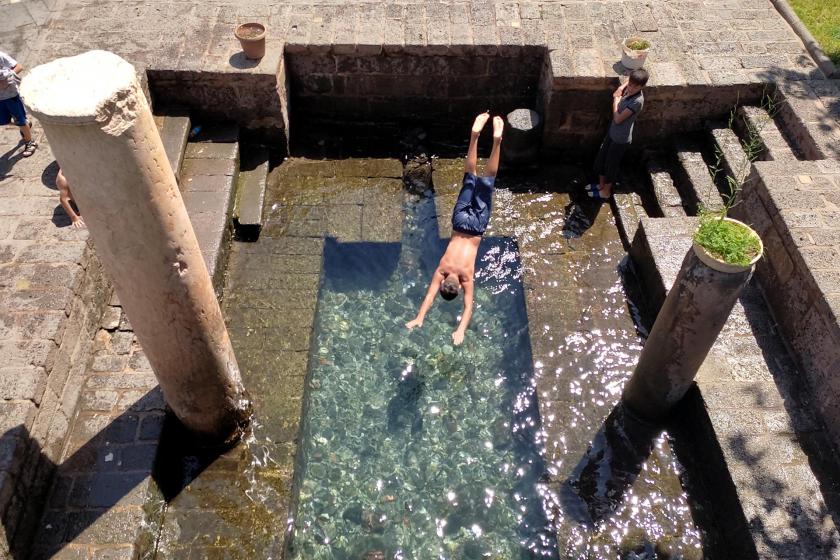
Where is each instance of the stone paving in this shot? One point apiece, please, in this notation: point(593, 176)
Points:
point(44, 268)
point(794, 206)
point(102, 489)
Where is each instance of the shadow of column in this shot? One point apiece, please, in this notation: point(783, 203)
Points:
point(612, 463)
point(97, 494)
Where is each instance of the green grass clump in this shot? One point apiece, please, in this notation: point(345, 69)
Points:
point(822, 18)
point(726, 241)
point(638, 45)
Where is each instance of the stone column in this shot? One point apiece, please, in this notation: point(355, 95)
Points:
point(523, 136)
point(687, 326)
point(101, 131)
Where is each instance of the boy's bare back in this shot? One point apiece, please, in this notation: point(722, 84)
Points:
point(460, 255)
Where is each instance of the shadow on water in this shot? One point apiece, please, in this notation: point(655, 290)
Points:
point(599, 481)
point(408, 446)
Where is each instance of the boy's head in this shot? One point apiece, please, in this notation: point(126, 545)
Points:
point(638, 79)
point(450, 287)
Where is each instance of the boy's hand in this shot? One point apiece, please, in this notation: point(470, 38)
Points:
point(458, 337)
point(414, 323)
point(619, 91)
point(79, 223)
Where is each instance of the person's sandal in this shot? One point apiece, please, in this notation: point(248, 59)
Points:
point(30, 148)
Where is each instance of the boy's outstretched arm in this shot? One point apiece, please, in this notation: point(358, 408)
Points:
point(434, 286)
point(458, 335)
point(64, 199)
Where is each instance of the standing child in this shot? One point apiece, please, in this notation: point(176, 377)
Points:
point(628, 101)
point(11, 106)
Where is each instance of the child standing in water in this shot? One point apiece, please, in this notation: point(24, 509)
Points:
point(469, 221)
point(628, 101)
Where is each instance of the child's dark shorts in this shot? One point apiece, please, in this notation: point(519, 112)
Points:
point(472, 211)
point(609, 158)
point(10, 108)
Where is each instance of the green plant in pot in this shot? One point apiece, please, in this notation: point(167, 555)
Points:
point(634, 51)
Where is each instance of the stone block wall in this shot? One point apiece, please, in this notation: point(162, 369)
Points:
point(420, 88)
point(577, 111)
point(318, 84)
point(35, 423)
point(254, 101)
point(793, 207)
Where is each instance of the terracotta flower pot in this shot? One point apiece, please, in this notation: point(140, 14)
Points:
point(633, 59)
point(716, 264)
point(252, 38)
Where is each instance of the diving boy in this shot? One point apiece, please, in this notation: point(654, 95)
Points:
point(470, 217)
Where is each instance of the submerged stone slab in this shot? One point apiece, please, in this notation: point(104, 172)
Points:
point(248, 210)
point(756, 121)
point(208, 192)
point(666, 194)
point(628, 210)
point(697, 183)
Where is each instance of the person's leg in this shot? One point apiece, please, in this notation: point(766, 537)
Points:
point(5, 114)
point(26, 132)
point(613, 162)
point(472, 152)
point(18, 111)
point(492, 167)
point(600, 164)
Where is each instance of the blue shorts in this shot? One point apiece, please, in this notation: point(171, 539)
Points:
point(12, 108)
point(472, 211)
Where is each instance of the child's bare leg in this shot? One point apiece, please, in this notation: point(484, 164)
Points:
point(602, 180)
point(492, 166)
point(472, 152)
point(26, 132)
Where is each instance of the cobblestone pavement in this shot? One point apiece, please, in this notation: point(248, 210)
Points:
point(47, 280)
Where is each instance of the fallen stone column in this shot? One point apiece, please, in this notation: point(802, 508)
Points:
point(101, 131)
point(687, 326)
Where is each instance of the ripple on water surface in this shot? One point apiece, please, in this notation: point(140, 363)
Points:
point(413, 448)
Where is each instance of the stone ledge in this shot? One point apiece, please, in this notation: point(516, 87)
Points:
point(789, 204)
point(39, 435)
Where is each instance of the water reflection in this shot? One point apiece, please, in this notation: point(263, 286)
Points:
point(615, 491)
point(413, 449)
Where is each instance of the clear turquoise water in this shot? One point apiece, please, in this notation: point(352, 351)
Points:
point(413, 448)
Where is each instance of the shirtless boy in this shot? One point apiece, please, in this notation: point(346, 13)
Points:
point(469, 220)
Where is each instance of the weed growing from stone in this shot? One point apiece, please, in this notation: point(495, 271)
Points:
point(725, 240)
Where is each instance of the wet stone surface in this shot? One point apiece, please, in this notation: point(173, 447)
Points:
point(614, 481)
point(409, 446)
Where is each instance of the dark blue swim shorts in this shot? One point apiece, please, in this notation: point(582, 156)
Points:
point(472, 211)
point(12, 108)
